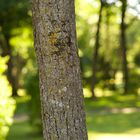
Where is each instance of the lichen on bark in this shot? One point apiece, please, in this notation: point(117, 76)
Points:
point(61, 92)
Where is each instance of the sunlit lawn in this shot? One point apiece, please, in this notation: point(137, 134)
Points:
point(108, 118)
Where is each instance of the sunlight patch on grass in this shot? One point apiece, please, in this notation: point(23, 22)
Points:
point(134, 131)
point(98, 136)
point(124, 110)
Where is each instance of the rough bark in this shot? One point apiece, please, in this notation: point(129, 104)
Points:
point(61, 92)
point(123, 45)
point(96, 49)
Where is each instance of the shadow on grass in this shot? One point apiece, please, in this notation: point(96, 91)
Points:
point(22, 128)
point(24, 131)
point(113, 101)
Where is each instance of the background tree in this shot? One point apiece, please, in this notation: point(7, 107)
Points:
point(96, 49)
point(60, 81)
point(123, 44)
point(18, 17)
point(16, 29)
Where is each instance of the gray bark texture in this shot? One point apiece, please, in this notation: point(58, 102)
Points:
point(61, 92)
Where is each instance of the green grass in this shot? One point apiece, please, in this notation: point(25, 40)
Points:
point(22, 128)
point(24, 131)
point(101, 120)
point(113, 123)
point(104, 122)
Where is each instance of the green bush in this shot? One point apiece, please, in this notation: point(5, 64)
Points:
point(7, 103)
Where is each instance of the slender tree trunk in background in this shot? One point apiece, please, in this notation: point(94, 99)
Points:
point(6, 51)
point(61, 92)
point(107, 40)
point(124, 45)
point(96, 49)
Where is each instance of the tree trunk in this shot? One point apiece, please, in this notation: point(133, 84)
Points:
point(96, 49)
point(61, 92)
point(123, 45)
point(107, 30)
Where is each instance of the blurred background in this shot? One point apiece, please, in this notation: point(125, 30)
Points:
point(108, 34)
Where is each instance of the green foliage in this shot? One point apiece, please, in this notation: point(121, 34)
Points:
point(13, 14)
point(15, 22)
point(109, 62)
point(31, 85)
point(7, 103)
point(32, 88)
